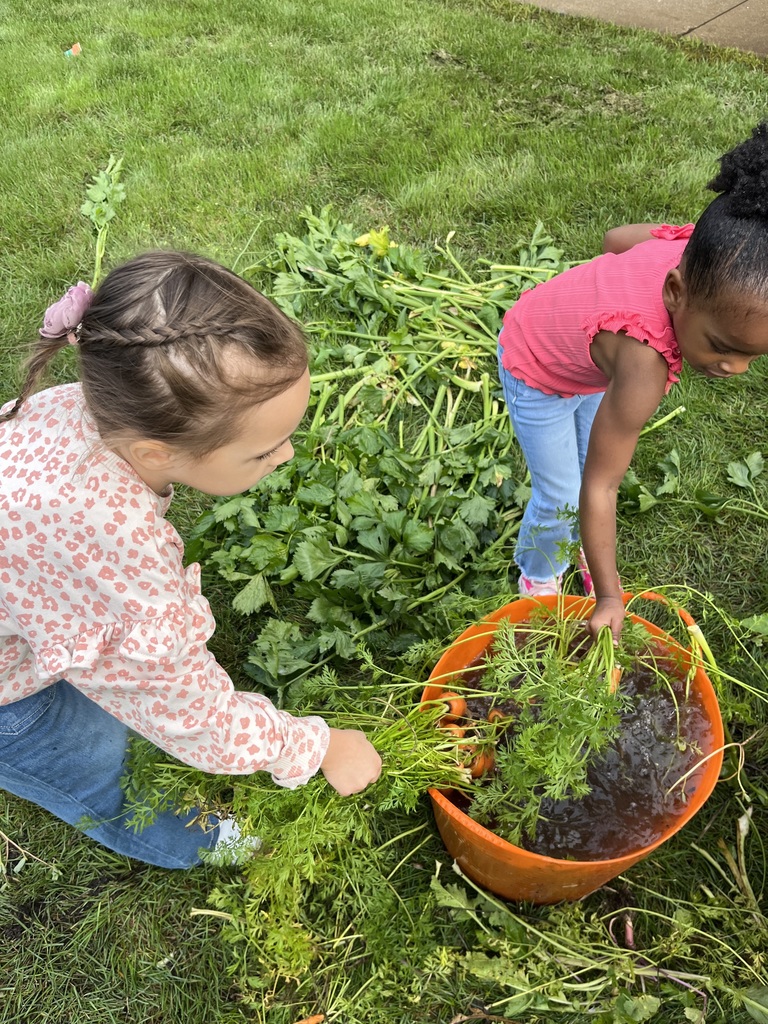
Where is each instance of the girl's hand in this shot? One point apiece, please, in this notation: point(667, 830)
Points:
point(609, 611)
point(351, 762)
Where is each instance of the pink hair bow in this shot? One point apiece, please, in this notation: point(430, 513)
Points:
point(64, 316)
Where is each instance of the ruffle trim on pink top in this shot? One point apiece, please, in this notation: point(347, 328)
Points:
point(163, 640)
point(633, 324)
point(82, 651)
point(672, 233)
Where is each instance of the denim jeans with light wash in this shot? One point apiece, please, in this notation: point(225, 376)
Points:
point(553, 433)
point(60, 750)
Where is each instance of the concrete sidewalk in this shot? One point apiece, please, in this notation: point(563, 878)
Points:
point(742, 24)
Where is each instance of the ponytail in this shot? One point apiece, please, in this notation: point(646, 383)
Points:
point(726, 259)
point(42, 353)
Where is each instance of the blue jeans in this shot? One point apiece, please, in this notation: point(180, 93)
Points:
point(61, 751)
point(553, 433)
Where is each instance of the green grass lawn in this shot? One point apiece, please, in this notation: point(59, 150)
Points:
point(477, 117)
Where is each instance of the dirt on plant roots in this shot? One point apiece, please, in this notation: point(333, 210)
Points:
point(639, 785)
point(636, 791)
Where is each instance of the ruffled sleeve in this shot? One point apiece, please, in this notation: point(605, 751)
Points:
point(659, 337)
point(82, 651)
point(672, 232)
point(158, 677)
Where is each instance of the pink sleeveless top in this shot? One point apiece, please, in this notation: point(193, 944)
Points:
point(547, 334)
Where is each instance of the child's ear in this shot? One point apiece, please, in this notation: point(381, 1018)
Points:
point(147, 455)
point(673, 292)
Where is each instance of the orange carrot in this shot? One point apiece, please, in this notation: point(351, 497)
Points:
point(452, 728)
point(455, 704)
point(615, 679)
point(482, 764)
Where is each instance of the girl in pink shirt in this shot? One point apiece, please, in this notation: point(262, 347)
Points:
point(189, 375)
point(586, 358)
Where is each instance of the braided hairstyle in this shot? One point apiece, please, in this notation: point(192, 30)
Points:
point(726, 259)
point(174, 348)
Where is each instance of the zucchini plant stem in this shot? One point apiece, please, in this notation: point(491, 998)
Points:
point(486, 389)
point(487, 339)
point(452, 410)
point(529, 271)
point(661, 422)
point(418, 289)
point(348, 371)
point(490, 283)
point(325, 397)
point(323, 329)
point(433, 596)
point(445, 251)
point(352, 554)
point(101, 245)
point(423, 438)
point(406, 387)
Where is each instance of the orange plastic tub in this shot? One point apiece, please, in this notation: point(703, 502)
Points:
point(508, 870)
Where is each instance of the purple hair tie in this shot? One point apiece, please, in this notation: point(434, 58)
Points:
point(64, 317)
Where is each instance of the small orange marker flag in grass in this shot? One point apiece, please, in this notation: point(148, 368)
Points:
point(74, 50)
point(317, 1019)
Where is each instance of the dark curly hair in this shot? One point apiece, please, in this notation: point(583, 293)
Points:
point(726, 258)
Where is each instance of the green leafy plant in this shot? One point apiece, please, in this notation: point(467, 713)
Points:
point(359, 556)
point(635, 496)
point(104, 195)
point(566, 713)
point(396, 517)
point(375, 279)
point(355, 532)
point(313, 840)
point(560, 704)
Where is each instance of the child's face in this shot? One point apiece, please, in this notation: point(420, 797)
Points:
point(713, 342)
point(263, 444)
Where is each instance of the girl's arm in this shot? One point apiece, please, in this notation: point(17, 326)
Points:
point(621, 238)
point(638, 378)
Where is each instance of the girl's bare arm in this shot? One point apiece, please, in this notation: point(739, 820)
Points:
point(638, 377)
point(621, 238)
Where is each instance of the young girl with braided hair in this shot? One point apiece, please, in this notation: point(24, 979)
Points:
point(189, 375)
point(586, 358)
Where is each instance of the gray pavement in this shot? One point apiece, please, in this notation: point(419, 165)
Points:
point(742, 24)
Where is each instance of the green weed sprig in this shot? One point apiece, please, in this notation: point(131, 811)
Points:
point(104, 195)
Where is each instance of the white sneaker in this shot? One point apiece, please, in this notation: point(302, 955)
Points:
point(232, 847)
